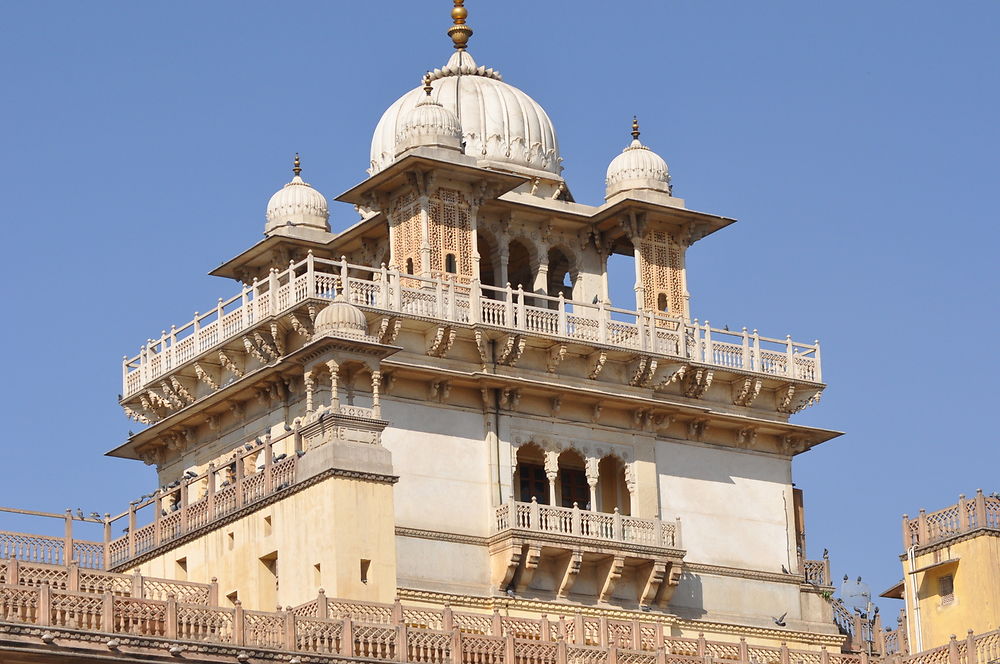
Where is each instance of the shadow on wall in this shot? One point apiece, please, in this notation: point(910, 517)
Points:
point(688, 600)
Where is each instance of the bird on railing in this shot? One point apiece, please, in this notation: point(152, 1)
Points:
point(780, 620)
point(784, 570)
point(95, 515)
point(79, 513)
point(279, 457)
point(300, 453)
point(248, 447)
point(190, 474)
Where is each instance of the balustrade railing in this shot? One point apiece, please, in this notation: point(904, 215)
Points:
point(611, 527)
point(473, 303)
point(393, 632)
point(963, 517)
point(817, 572)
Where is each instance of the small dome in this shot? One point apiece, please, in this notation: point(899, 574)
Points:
point(637, 167)
point(341, 318)
point(297, 204)
point(429, 123)
point(499, 123)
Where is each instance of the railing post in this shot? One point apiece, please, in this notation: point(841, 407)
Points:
point(196, 324)
point(268, 462)
point(756, 351)
point(397, 290)
point(790, 357)
point(107, 541)
point(173, 347)
point(344, 278)
point(746, 350)
point(496, 626)
point(602, 322)
point(827, 580)
point(210, 492)
point(239, 624)
point(272, 288)
point(963, 514)
point(475, 301)
point(401, 648)
point(44, 615)
point(447, 618)
point(784, 653)
point(678, 542)
point(577, 522)
point(953, 650)
point(701, 644)
point(971, 656)
point(321, 605)
point(578, 634)
point(563, 326)
point(290, 640)
point(661, 655)
point(238, 479)
point(397, 611)
point(709, 352)
point(906, 532)
point(131, 530)
point(184, 490)
point(73, 577)
point(922, 527)
point(157, 512)
point(107, 612)
point(68, 539)
point(170, 627)
point(533, 515)
point(824, 656)
point(13, 572)
point(819, 364)
point(456, 646)
point(521, 323)
point(613, 655)
point(617, 526)
point(508, 650)
point(310, 275)
point(562, 657)
point(980, 509)
point(247, 316)
point(439, 311)
point(213, 592)
point(347, 638)
point(745, 652)
point(137, 589)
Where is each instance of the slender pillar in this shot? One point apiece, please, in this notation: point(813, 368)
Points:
point(541, 286)
point(592, 470)
point(310, 385)
point(551, 473)
point(504, 252)
point(376, 383)
point(334, 368)
point(640, 292)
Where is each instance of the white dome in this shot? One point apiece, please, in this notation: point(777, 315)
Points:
point(429, 123)
point(297, 204)
point(341, 318)
point(637, 167)
point(499, 122)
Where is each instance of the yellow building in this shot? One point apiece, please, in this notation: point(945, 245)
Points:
point(951, 572)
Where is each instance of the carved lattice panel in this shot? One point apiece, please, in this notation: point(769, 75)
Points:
point(662, 270)
point(407, 233)
point(450, 232)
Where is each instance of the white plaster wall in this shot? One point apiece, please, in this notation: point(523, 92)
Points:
point(735, 507)
point(450, 567)
point(705, 596)
point(443, 463)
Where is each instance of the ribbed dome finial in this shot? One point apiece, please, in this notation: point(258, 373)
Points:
point(459, 31)
point(428, 88)
point(635, 127)
point(297, 165)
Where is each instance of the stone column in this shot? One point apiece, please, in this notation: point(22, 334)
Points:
point(640, 292)
point(630, 485)
point(334, 368)
point(310, 387)
point(541, 286)
point(425, 241)
point(592, 470)
point(376, 383)
point(504, 259)
point(551, 473)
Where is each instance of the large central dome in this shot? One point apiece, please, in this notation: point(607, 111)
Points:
point(499, 123)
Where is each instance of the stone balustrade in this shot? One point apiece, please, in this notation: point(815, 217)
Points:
point(328, 629)
point(383, 290)
point(608, 527)
point(954, 520)
point(817, 572)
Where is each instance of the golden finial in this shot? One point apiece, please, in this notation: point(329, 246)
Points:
point(296, 165)
point(635, 127)
point(459, 31)
point(428, 88)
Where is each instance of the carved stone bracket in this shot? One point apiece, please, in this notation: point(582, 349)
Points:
point(205, 377)
point(746, 438)
point(793, 445)
point(483, 345)
point(595, 414)
point(697, 382)
point(230, 365)
point(438, 390)
point(440, 340)
point(513, 347)
point(388, 329)
point(300, 326)
point(571, 573)
point(697, 428)
point(555, 406)
point(180, 390)
point(253, 351)
point(531, 561)
point(657, 574)
point(611, 580)
point(556, 354)
point(641, 371)
point(670, 374)
point(790, 399)
point(509, 398)
point(597, 360)
point(746, 391)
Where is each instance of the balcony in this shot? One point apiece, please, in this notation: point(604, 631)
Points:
point(386, 291)
point(554, 552)
point(953, 521)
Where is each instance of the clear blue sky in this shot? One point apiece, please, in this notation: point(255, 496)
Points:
point(856, 141)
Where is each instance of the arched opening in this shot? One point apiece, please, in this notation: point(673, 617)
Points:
point(489, 267)
point(612, 490)
point(621, 274)
point(529, 475)
point(572, 483)
point(450, 264)
point(519, 266)
point(661, 303)
point(409, 266)
point(560, 274)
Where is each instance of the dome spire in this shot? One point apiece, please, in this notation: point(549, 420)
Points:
point(459, 31)
point(635, 127)
point(428, 88)
point(297, 165)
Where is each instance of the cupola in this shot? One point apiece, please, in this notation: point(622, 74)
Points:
point(429, 124)
point(341, 318)
point(297, 204)
point(637, 167)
